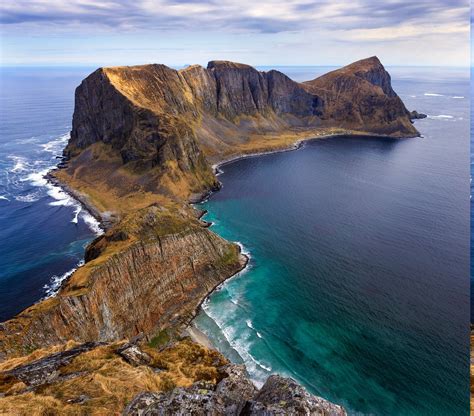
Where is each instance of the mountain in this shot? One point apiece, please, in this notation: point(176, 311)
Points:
point(142, 145)
point(158, 129)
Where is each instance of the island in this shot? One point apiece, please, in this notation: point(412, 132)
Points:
point(145, 145)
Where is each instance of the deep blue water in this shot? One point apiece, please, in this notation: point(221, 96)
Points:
point(357, 285)
point(358, 281)
point(43, 234)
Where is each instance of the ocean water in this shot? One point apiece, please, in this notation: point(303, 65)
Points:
point(358, 279)
point(43, 231)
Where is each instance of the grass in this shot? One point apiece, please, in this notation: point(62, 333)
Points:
point(230, 257)
point(108, 381)
point(159, 340)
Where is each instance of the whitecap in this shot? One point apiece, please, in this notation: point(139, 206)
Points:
point(441, 117)
point(240, 342)
point(457, 97)
point(243, 250)
point(33, 197)
point(61, 197)
point(92, 223)
point(52, 288)
point(4, 198)
point(20, 164)
point(38, 178)
point(56, 145)
point(432, 94)
point(76, 214)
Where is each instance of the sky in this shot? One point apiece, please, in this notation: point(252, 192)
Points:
point(257, 32)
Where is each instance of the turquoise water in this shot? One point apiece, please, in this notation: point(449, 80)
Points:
point(358, 280)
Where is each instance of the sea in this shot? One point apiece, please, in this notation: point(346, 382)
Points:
point(357, 285)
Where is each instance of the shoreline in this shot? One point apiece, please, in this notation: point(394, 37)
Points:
point(298, 144)
point(198, 336)
point(106, 223)
point(202, 338)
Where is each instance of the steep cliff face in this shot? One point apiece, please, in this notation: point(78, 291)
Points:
point(360, 96)
point(150, 113)
point(170, 123)
point(149, 272)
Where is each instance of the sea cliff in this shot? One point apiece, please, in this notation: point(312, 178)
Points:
point(143, 143)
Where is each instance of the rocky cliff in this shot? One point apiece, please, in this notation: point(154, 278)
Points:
point(142, 144)
point(156, 129)
point(146, 274)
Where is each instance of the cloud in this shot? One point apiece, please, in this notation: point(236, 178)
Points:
point(375, 17)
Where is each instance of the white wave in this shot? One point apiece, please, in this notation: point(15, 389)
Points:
point(4, 198)
point(441, 117)
point(243, 250)
point(38, 178)
point(20, 164)
point(52, 288)
point(250, 325)
point(31, 139)
point(240, 343)
point(33, 197)
point(61, 197)
point(76, 214)
point(265, 367)
point(457, 97)
point(92, 223)
point(413, 96)
point(432, 94)
point(56, 146)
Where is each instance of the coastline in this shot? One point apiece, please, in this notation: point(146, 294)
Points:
point(196, 334)
point(298, 144)
point(107, 222)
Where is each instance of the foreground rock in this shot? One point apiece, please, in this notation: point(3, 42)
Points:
point(234, 395)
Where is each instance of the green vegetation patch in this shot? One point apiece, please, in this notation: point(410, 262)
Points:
point(159, 340)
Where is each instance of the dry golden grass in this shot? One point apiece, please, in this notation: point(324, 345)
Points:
point(108, 381)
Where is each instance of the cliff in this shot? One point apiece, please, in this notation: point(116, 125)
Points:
point(141, 146)
point(148, 130)
point(146, 274)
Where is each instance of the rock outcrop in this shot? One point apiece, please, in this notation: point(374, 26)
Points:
point(234, 395)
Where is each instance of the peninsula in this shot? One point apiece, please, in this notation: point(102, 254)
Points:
point(143, 145)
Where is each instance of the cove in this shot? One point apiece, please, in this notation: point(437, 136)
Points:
point(357, 284)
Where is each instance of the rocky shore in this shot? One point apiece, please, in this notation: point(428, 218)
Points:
point(145, 142)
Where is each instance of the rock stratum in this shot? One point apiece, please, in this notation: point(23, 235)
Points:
point(142, 146)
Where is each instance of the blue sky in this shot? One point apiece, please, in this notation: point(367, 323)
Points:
point(265, 32)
